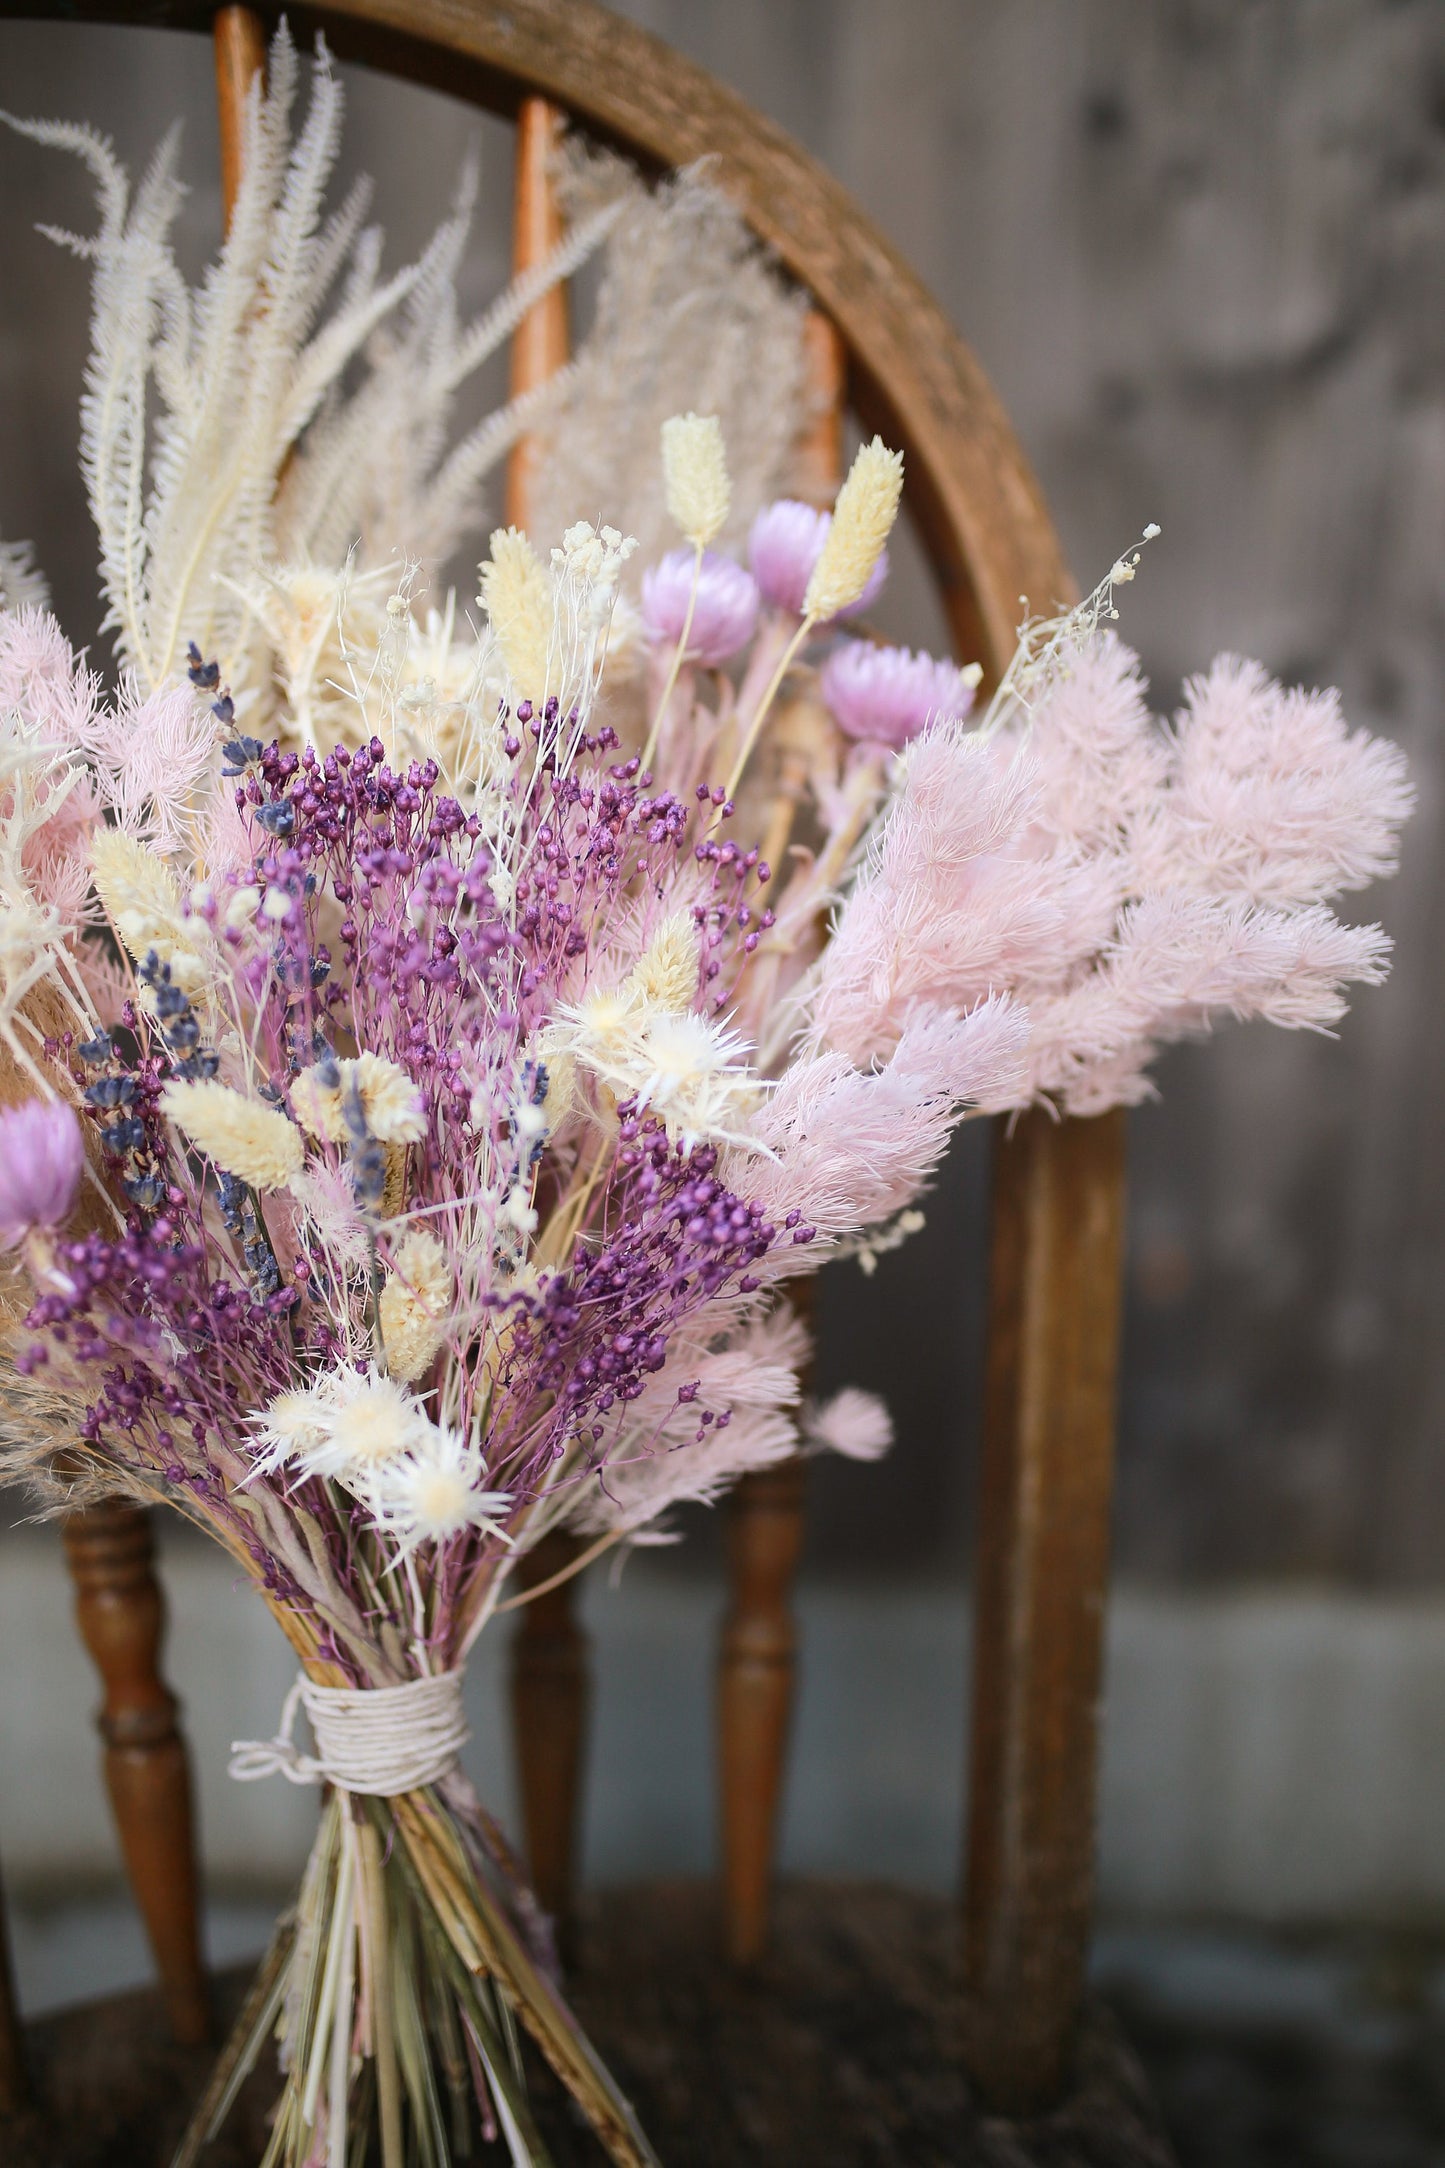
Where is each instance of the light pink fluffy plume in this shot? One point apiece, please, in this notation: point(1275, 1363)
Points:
point(1127, 884)
point(1271, 796)
point(963, 895)
point(853, 1148)
point(751, 1372)
point(853, 1423)
point(44, 682)
point(149, 751)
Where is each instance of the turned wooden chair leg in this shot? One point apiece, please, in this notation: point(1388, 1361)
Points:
point(121, 1612)
point(756, 1668)
point(1042, 1577)
point(551, 1693)
point(14, 2075)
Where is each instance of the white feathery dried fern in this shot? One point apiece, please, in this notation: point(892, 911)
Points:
point(262, 418)
point(296, 409)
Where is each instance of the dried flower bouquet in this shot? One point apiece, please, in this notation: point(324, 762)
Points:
point(427, 1082)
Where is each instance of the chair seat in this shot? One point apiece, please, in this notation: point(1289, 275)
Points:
point(835, 2053)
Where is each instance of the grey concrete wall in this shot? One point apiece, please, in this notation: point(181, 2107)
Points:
point(1199, 246)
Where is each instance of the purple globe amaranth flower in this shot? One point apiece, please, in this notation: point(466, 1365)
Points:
point(42, 1158)
point(885, 695)
point(724, 616)
point(785, 543)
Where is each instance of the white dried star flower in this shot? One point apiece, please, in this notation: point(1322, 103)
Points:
point(143, 903)
point(517, 596)
point(433, 1491)
point(347, 1424)
point(414, 1305)
point(695, 474)
point(255, 1143)
point(862, 522)
point(391, 1105)
point(692, 1074)
point(595, 1031)
point(289, 1426)
point(666, 972)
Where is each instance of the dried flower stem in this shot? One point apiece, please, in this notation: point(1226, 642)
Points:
point(678, 654)
point(750, 739)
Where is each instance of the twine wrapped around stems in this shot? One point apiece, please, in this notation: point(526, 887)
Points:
point(379, 1741)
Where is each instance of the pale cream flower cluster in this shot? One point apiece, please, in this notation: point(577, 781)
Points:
point(414, 1305)
point(390, 1103)
point(642, 1040)
point(142, 900)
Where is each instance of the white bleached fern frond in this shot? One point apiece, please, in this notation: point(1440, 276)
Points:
point(297, 402)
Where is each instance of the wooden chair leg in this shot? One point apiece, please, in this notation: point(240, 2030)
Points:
point(121, 1612)
point(14, 2076)
point(551, 1692)
point(1043, 1558)
point(756, 1669)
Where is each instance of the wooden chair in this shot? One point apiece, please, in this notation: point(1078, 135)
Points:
point(1057, 1212)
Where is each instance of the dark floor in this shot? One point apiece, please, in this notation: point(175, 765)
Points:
point(1289, 2053)
point(1209, 2051)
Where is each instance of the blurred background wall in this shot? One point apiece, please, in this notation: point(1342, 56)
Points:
point(1201, 250)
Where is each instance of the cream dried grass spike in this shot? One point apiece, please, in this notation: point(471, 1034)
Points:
point(254, 1143)
point(695, 475)
point(863, 519)
point(143, 903)
point(667, 970)
point(516, 594)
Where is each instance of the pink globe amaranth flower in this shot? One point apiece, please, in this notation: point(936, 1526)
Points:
point(42, 1159)
point(885, 695)
point(724, 617)
point(785, 543)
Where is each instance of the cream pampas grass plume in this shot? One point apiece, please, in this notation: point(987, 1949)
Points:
point(252, 1142)
point(695, 474)
point(862, 522)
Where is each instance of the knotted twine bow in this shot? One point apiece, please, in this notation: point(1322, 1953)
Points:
point(379, 1740)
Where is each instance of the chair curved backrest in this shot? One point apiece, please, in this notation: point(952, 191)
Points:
point(1058, 1190)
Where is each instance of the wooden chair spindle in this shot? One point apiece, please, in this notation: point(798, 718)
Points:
point(111, 1554)
point(757, 1658)
point(1042, 1582)
point(551, 1689)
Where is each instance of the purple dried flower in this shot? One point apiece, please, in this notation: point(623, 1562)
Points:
point(885, 695)
point(42, 1159)
point(723, 617)
point(785, 543)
